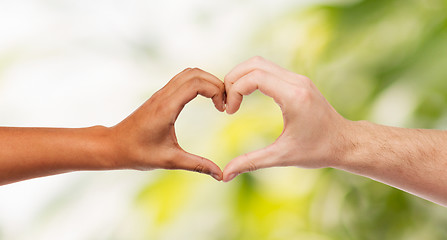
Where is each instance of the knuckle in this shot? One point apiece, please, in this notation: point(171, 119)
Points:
point(158, 108)
point(302, 94)
point(228, 83)
point(168, 107)
point(199, 168)
point(257, 73)
point(251, 166)
point(257, 59)
point(227, 77)
point(305, 80)
point(221, 86)
point(196, 70)
point(156, 96)
point(162, 106)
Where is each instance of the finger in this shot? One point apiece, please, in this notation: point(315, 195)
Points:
point(197, 72)
point(192, 73)
point(262, 158)
point(191, 162)
point(250, 65)
point(197, 86)
point(266, 82)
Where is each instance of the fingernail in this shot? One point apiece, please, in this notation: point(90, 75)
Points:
point(216, 176)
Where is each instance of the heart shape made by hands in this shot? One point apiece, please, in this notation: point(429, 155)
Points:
point(256, 125)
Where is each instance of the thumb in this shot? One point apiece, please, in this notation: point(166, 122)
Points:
point(191, 162)
point(248, 162)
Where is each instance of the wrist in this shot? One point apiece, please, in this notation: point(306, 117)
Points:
point(352, 144)
point(105, 151)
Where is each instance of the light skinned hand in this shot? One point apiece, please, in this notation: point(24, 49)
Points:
point(147, 138)
point(311, 124)
point(314, 136)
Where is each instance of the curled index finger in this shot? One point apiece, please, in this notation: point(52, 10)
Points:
point(266, 82)
point(190, 89)
point(197, 79)
point(250, 65)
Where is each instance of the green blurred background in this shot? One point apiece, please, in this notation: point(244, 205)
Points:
point(379, 60)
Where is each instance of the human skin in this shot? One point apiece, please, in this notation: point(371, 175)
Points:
point(316, 136)
point(145, 140)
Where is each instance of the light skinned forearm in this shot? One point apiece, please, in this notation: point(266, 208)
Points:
point(414, 160)
point(35, 152)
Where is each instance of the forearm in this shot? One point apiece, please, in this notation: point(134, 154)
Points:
point(414, 160)
point(35, 152)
